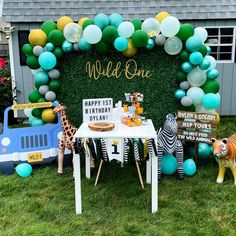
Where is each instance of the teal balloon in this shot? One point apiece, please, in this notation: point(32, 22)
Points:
point(193, 43)
point(205, 64)
point(115, 19)
point(84, 45)
point(24, 170)
point(204, 151)
point(189, 167)
point(47, 60)
point(212, 74)
point(186, 67)
point(196, 58)
point(180, 93)
point(168, 165)
point(67, 46)
point(41, 78)
point(37, 122)
point(121, 44)
point(101, 20)
point(211, 101)
point(208, 50)
point(150, 44)
point(49, 47)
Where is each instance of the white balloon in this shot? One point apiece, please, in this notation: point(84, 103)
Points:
point(197, 77)
point(151, 26)
point(50, 96)
point(186, 101)
point(184, 85)
point(43, 89)
point(201, 33)
point(28, 112)
point(173, 45)
point(126, 29)
point(212, 60)
point(92, 34)
point(72, 32)
point(201, 108)
point(37, 50)
point(196, 94)
point(34, 72)
point(170, 26)
point(160, 40)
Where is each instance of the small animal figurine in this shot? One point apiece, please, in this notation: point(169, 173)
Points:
point(225, 151)
point(66, 140)
point(168, 143)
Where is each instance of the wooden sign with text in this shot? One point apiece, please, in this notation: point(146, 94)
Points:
point(196, 127)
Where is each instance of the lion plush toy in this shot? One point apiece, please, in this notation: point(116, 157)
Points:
point(225, 151)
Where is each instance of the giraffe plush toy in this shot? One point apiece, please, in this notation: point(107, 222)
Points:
point(66, 140)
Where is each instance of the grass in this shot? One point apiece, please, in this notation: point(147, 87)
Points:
point(43, 204)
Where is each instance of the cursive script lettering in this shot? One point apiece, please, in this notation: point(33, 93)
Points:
point(95, 71)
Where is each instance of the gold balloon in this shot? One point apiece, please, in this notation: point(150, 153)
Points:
point(131, 50)
point(48, 116)
point(37, 37)
point(161, 16)
point(82, 20)
point(217, 118)
point(63, 21)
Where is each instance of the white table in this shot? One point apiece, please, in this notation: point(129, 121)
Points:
point(120, 131)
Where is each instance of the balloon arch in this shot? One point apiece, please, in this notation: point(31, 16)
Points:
point(198, 87)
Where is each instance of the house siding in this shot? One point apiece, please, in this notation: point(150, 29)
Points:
point(24, 78)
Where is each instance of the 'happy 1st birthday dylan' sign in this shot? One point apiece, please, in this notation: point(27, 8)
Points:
point(98, 109)
point(130, 70)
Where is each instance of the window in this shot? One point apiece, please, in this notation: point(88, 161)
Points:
point(222, 43)
point(23, 39)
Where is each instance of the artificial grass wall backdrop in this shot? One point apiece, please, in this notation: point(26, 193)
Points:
point(158, 89)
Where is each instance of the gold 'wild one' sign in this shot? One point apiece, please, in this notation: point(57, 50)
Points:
point(131, 70)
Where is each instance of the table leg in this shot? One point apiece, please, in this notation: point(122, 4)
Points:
point(154, 182)
point(87, 164)
point(148, 170)
point(77, 176)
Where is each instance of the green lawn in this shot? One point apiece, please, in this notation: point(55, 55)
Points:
point(43, 204)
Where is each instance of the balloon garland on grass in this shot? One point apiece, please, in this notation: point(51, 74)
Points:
point(198, 87)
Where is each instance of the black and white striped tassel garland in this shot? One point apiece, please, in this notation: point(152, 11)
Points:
point(104, 149)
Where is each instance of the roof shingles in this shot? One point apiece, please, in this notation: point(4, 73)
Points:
point(38, 10)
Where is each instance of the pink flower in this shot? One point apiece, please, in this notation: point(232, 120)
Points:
point(2, 80)
point(2, 62)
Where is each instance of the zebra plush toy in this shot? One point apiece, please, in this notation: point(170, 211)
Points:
point(167, 143)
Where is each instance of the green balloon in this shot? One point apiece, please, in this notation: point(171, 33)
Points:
point(36, 112)
point(41, 100)
point(58, 52)
point(48, 26)
point(32, 62)
point(137, 23)
point(109, 34)
point(34, 96)
point(56, 37)
point(185, 31)
point(203, 50)
point(37, 84)
point(139, 38)
point(102, 47)
point(211, 86)
point(87, 23)
point(181, 76)
point(54, 85)
point(184, 55)
point(27, 49)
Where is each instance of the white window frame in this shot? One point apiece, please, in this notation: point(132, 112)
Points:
point(219, 44)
